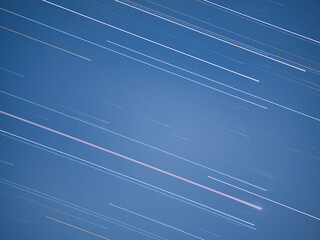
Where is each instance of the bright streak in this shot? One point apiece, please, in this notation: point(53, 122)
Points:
point(268, 199)
point(47, 44)
point(136, 161)
point(159, 44)
point(211, 36)
point(161, 223)
point(260, 21)
point(77, 228)
point(129, 179)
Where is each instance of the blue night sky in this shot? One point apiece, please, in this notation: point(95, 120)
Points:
point(162, 119)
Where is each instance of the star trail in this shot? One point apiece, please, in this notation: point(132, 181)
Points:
point(165, 120)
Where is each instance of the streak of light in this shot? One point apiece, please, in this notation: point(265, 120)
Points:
point(11, 72)
point(225, 85)
point(208, 23)
point(257, 195)
point(127, 178)
point(263, 22)
point(133, 140)
point(11, 164)
point(161, 223)
point(209, 35)
point(47, 44)
point(154, 42)
point(79, 208)
point(135, 161)
point(81, 229)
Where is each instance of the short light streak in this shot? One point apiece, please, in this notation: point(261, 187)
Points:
point(268, 199)
point(135, 161)
point(161, 223)
point(129, 179)
point(154, 42)
point(81, 229)
point(260, 21)
point(46, 44)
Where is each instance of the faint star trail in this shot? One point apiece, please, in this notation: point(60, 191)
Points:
point(81, 229)
point(46, 44)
